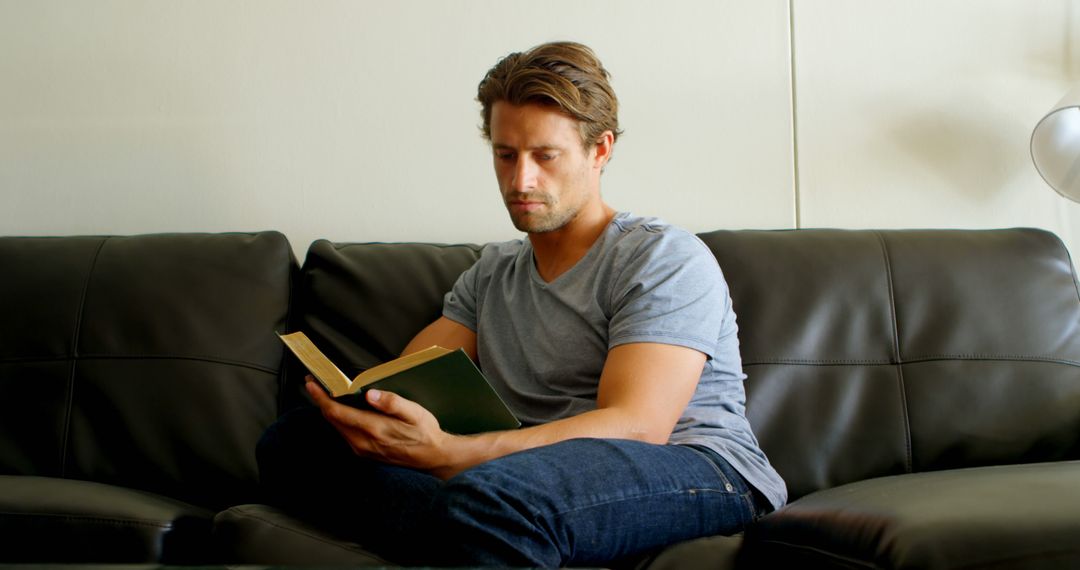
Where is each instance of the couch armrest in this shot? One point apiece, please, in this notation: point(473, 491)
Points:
point(1013, 516)
point(44, 519)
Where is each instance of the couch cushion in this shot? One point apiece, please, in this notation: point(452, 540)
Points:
point(145, 361)
point(709, 553)
point(361, 303)
point(1015, 516)
point(871, 353)
point(259, 534)
point(47, 520)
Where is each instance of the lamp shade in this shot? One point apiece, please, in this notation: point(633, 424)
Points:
point(1055, 146)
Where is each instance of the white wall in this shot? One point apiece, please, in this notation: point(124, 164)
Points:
point(354, 120)
point(919, 113)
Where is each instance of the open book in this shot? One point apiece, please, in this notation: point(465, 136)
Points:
point(444, 381)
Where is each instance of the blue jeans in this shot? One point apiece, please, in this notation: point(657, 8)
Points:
point(579, 502)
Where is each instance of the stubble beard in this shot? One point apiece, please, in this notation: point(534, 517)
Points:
point(549, 220)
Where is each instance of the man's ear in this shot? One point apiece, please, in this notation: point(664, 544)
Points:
point(605, 145)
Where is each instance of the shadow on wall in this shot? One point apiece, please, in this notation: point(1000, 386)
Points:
point(977, 151)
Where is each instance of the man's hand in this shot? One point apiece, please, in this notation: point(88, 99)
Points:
point(401, 432)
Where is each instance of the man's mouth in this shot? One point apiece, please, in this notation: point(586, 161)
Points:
point(525, 204)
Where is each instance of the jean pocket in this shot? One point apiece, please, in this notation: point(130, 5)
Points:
point(731, 481)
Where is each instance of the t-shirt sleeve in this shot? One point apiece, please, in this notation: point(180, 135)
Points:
point(671, 291)
point(460, 303)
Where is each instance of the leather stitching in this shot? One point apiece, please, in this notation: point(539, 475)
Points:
point(897, 355)
point(76, 335)
point(208, 359)
point(92, 519)
point(913, 360)
point(269, 522)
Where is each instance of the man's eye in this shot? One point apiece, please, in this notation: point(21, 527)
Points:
point(504, 155)
point(546, 157)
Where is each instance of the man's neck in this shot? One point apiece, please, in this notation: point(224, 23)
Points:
point(556, 252)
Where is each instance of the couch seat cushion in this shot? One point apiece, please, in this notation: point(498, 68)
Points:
point(1018, 516)
point(708, 553)
point(44, 519)
point(260, 534)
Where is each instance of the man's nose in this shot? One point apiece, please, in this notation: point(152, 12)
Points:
point(524, 174)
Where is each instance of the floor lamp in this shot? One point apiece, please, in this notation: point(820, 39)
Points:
point(1055, 146)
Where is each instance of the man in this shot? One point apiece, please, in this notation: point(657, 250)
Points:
point(610, 336)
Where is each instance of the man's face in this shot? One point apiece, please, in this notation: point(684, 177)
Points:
point(544, 174)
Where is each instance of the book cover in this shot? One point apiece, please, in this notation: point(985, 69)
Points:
point(445, 382)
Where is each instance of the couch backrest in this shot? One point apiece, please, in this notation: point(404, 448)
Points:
point(868, 353)
point(144, 361)
point(361, 303)
point(871, 353)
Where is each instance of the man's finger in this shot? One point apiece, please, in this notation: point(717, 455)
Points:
point(394, 405)
point(316, 392)
point(333, 410)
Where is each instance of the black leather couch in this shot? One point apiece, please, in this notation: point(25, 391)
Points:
point(918, 390)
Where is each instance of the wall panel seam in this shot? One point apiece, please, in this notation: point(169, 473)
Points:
point(794, 109)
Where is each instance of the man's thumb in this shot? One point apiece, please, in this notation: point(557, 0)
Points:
point(387, 402)
point(377, 398)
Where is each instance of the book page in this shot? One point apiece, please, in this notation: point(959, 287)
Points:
point(386, 369)
point(333, 379)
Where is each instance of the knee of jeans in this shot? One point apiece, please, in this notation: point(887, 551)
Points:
point(291, 442)
point(297, 430)
point(462, 495)
point(272, 445)
point(479, 496)
point(478, 518)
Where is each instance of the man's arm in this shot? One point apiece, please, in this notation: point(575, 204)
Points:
point(445, 333)
point(643, 391)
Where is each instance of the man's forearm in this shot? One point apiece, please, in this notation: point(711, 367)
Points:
point(464, 452)
point(643, 391)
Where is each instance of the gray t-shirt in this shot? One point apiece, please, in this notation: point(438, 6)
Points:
point(543, 345)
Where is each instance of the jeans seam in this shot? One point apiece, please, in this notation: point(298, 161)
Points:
point(751, 505)
point(727, 484)
point(747, 496)
point(724, 492)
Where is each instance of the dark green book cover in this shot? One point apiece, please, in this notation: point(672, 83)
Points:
point(453, 389)
point(446, 383)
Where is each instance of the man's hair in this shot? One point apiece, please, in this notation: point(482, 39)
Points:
point(565, 75)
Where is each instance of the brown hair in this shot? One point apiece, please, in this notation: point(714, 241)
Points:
point(564, 75)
